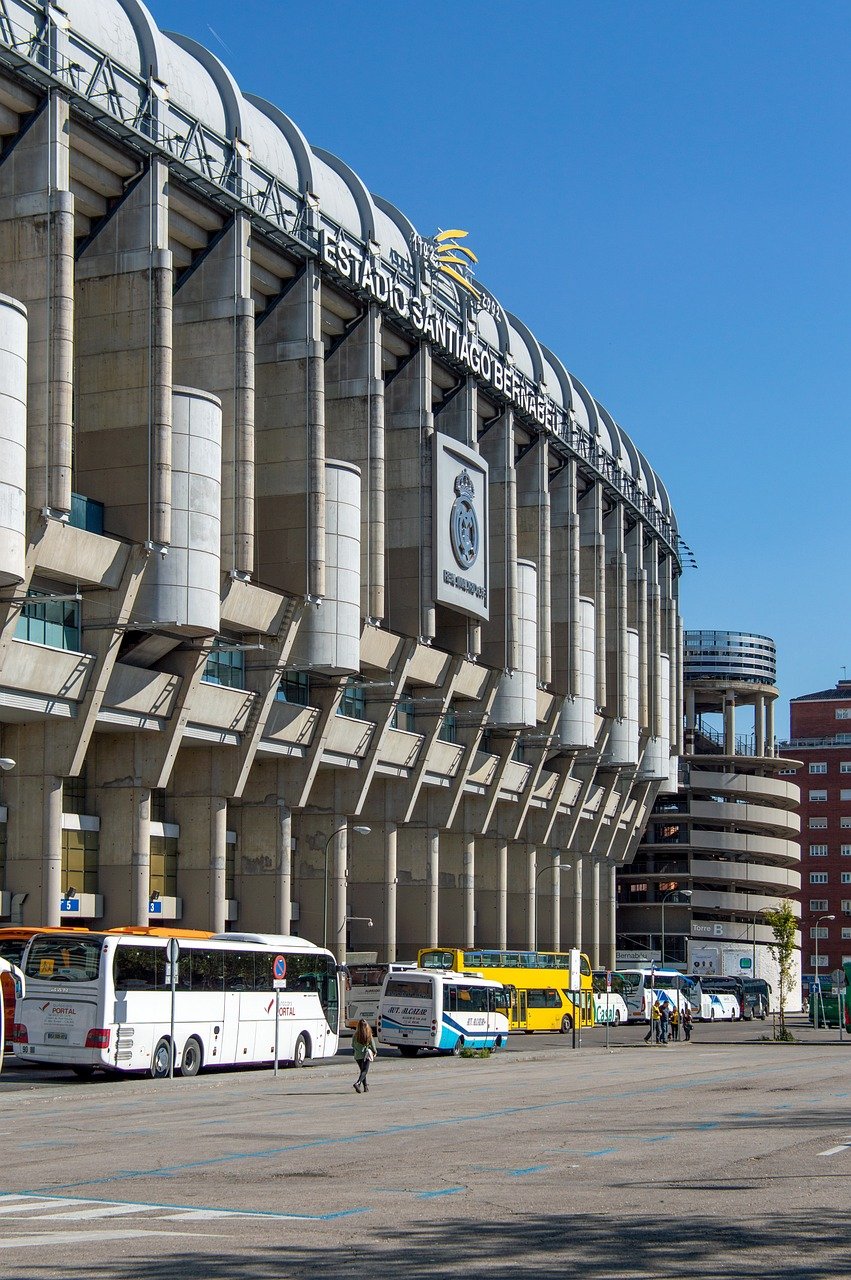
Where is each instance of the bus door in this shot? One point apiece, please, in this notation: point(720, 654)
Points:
point(517, 1008)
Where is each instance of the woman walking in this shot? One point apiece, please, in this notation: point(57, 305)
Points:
point(363, 1047)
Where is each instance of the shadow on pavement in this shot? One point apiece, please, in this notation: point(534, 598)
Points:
point(791, 1247)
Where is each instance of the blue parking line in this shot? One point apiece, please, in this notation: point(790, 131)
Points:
point(521, 1173)
point(447, 1191)
point(661, 1137)
point(707, 1124)
point(604, 1151)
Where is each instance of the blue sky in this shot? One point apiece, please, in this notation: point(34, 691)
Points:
point(661, 192)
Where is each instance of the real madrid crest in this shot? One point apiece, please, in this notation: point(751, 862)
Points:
point(463, 523)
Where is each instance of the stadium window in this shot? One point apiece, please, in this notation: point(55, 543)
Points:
point(818, 766)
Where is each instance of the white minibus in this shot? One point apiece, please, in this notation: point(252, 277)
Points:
point(99, 1001)
point(445, 1011)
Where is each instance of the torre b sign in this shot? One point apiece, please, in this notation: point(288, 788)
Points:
point(460, 514)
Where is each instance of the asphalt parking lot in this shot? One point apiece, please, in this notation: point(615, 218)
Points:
point(725, 1157)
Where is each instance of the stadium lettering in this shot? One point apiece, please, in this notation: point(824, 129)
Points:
point(350, 262)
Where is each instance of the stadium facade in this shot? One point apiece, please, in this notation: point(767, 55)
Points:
point(331, 601)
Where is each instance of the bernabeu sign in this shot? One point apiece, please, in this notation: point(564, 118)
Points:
point(352, 262)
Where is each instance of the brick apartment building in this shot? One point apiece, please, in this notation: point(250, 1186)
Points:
point(820, 733)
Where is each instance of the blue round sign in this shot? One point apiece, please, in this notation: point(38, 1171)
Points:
point(279, 967)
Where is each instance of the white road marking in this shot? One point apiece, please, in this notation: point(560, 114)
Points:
point(73, 1209)
point(61, 1238)
point(26, 1204)
point(835, 1151)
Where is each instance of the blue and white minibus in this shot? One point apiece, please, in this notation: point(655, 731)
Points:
point(444, 1011)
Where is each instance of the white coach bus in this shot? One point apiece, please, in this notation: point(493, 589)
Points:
point(363, 991)
point(423, 1009)
point(100, 1001)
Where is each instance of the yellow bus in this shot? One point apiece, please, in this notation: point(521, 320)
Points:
point(541, 994)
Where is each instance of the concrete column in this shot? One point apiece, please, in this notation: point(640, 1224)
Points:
point(577, 902)
point(595, 913)
point(52, 881)
point(468, 888)
point(592, 576)
point(769, 727)
point(284, 864)
point(759, 725)
point(390, 890)
point(408, 413)
point(555, 923)
point(218, 861)
point(214, 349)
point(534, 541)
point(289, 412)
point(433, 881)
point(37, 268)
point(500, 639)
point(729, 723)
point(610, 948)
point(531, 904)
point(123, 296)
point(354, 426)
point(140, 857)
point(502, 894)
point(564, 581)
point(339, 905)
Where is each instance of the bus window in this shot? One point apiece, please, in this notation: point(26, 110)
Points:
point(139, 969)
point(63, 959)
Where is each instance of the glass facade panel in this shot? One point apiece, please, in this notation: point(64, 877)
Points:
point(226, 667)
point(86, 514)
point(55, 623)
point(80, 861)
point(295, 688)
point(164, 866)
point(353, 701)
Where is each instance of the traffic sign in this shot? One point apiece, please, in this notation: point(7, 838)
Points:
point(608, 979)
point(172, 950)
point(279, 967)
point(744, 962)
point(838, 979)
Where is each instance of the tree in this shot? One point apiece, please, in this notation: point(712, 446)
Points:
point(784, 926)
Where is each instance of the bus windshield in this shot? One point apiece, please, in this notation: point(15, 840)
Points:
point(61, 957)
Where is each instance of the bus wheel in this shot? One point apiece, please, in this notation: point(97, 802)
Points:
point(617, 1018)
point(408, 1050)
point(83, 1073)
point(527, 1032)
point(566, 1024)
point(457, 1047)
point(300, 1054)
point(161, 1059)
point(190, 1062)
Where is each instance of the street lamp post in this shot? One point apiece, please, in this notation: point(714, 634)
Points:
point(358, 831)
point(818, 995)
point(685, 893)
point(562, 866)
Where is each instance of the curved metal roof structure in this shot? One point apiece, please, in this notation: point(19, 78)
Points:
point(176, 96)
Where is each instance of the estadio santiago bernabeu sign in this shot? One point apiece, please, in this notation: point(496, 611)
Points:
point(367, 272)
point(460, 526)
